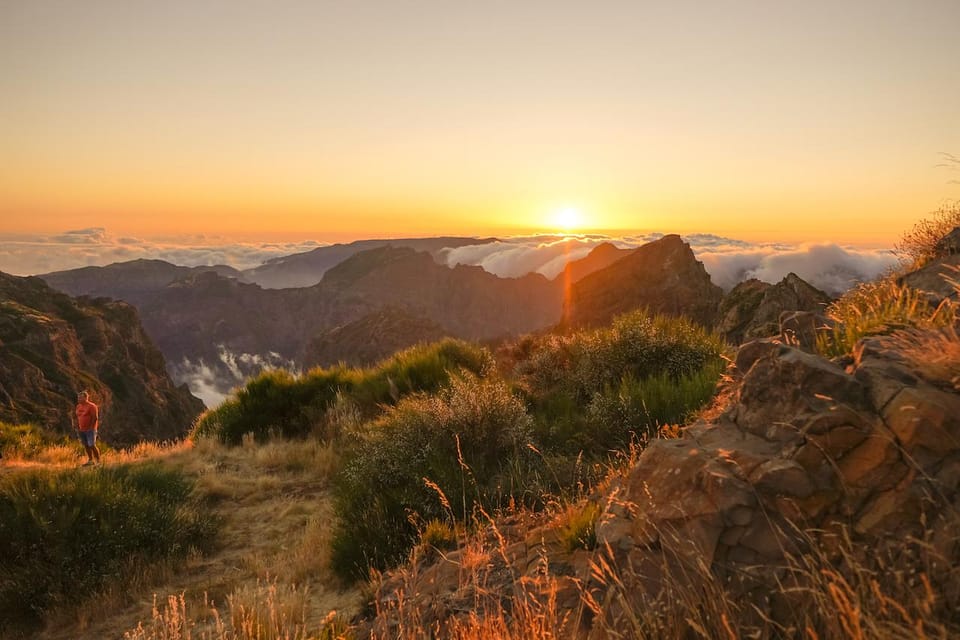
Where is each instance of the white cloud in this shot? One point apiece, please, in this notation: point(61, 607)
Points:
point(94, 246)
point(213, 382)
point(829, 267)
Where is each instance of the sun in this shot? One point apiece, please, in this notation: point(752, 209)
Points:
point(567, 218)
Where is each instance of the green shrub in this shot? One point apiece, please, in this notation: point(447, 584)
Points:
point(430, 457)
point(590, 390)
point(23, 440)
point(878, 308)
point(640, 407)
point(66, 534)
point(278, 402)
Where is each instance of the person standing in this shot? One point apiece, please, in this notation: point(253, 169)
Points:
point(88, 421)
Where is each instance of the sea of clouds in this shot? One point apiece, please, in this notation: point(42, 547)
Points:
point(24, 255)
point(829, 266)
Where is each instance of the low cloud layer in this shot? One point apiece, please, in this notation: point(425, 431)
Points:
point(34, 254)
point(830, 267)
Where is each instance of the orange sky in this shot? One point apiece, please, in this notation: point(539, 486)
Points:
point(758, 120)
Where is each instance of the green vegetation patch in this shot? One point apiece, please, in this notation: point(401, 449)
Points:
point(281, 403)
point(594, 390)
point(24, 440)
point(66, 534)
point(430, 457)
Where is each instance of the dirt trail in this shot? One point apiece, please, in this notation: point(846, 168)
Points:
point(276, 515)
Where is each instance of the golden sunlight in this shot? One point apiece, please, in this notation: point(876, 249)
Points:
point(567, 218)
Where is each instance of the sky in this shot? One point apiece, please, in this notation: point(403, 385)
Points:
point(320, 121)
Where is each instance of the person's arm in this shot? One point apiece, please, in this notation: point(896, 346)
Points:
point(96, 417)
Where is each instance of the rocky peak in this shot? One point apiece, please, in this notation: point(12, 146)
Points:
point(663, 276)
point(601, 256)
point(753, 308)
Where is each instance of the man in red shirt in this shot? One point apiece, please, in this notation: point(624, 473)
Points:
point(88, 421)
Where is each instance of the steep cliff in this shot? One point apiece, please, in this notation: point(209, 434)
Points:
point(52, 345)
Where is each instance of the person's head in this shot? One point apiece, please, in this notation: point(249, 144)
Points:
point(83, 396)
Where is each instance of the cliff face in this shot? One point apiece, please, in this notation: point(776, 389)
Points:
point(662, 276)
point(753, 308)
point(52, 345)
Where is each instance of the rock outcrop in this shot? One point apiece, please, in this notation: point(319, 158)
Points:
point(936, 279)
point(52, 346)
point(662, 276)
point(807, 457)
point(753, 308)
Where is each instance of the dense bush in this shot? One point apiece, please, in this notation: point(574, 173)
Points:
point(64, 534)
point(593, 389)
point(294, 406)
point(430, 457)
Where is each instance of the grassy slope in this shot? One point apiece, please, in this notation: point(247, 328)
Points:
point(276, 514)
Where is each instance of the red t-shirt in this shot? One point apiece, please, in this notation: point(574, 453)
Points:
point(88, 417)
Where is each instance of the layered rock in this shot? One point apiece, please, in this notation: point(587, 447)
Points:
point(753, 309)
point(662, 276)
point(52, 346)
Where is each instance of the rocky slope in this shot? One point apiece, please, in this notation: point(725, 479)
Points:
point(52, 345)
point(136, 281)
point(600, 257)
point(753, 308)
point(371, 338)
point(663, 276)
point(809, 461)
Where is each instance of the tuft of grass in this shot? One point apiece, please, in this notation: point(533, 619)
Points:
point(65, 534)
point(439, 534)
point(879, 308)
point(918, 246)
point(578, 528)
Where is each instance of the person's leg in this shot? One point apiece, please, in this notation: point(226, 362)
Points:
point(96, 449)
point(85, 438)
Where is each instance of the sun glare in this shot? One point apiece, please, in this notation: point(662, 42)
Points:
point(567, 218)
